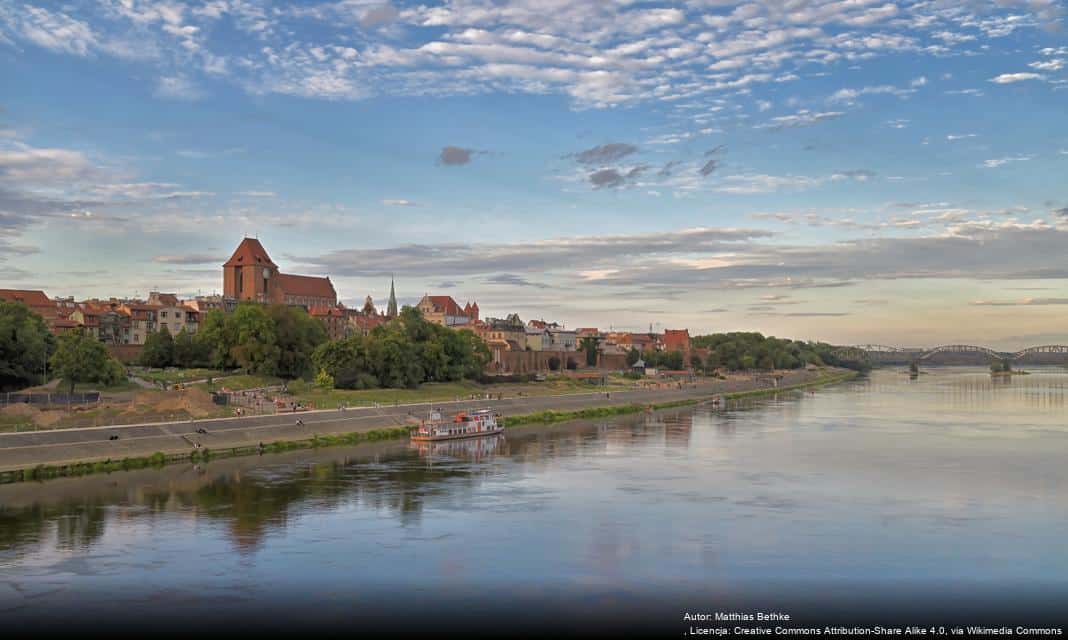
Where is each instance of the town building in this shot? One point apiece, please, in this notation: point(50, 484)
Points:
point(677, 340)
point(510, 331)
point(37, 302)
point(445, 311)
point(173, 315)
point(144, 319)
point(334, 320)
point(561, 339)
point(537, 340)
point(251, 275)
point(107, 321)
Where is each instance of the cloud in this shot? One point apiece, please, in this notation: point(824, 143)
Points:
point(860, 175)
point(1048, 65)
point(378, 15)
point(605, 153)
point(398, 202)
point(1009, 78)
point(257, 194)
point(514, 280)
point(998, 162)
point(959, 136)
point(803, 118)
point(456, 156)
point(177, 88)
point(1026, 302)
point(708, 167)
point(190, 258)
point(612, 178)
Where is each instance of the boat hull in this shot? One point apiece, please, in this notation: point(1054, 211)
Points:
point(458, 436)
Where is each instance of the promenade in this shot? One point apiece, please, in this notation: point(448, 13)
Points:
point(62, 446)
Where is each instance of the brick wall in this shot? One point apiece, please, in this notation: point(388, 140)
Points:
point(538, 361)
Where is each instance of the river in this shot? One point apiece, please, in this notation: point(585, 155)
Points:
point(940, 499)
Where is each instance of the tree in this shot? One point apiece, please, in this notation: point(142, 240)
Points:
point(158, 350)
point(633, 356)
point(671, 360)
point(216, 338)
point(25, 346)
point(554, 363)
point(191, 350)
point(404, 353)
point(588, 345)
point(255, 344)
point(82, 358)
point(695, 362)
point(297, 334)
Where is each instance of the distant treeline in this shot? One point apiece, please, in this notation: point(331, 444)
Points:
point(751, 350)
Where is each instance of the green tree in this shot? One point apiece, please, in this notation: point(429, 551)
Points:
point(297, 334)
point(255, 342)
point(588, 345)
point(633, 356)
point(403, 353)
point(25, 346)
point(158, 350)
point(82, 358)
point(671, 360)
point(191, 350)
point(695, 362)
point(216, 338)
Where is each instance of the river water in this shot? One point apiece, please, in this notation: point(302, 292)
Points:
point(945, 495)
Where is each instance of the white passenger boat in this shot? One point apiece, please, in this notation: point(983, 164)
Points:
point(483, 422)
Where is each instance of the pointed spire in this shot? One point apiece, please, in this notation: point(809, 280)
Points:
point(391, 308)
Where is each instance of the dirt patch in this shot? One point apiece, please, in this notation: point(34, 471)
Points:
point(194, 402)
point(20, 409)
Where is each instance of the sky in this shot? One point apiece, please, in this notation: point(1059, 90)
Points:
point(855, 171)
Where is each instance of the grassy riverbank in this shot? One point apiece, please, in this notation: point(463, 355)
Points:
point(159, 459)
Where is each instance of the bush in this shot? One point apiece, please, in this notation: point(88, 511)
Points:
point(571, 364)
point(554, 363)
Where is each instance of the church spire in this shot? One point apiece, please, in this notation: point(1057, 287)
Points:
point(391, 308)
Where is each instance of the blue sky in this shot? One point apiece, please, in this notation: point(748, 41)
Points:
point(849, 170)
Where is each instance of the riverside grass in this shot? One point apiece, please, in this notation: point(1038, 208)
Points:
point(159, 459)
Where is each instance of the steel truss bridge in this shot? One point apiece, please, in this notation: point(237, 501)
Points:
point(876, 352)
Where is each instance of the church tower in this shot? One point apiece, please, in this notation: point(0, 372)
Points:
point(391, 308)
point(250, 274)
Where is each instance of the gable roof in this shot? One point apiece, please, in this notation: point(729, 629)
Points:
point(167, 299)
point(446, 305)
point(27, 297)
point(250, 251)
point(308, 286)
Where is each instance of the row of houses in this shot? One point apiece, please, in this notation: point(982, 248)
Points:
point(250, 275)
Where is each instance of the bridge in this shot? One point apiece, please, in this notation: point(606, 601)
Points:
point(953, 354)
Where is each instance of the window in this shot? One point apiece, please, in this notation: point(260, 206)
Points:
point(163, 314)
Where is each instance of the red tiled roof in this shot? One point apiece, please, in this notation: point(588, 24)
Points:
point(307, 286)
point(250, 251)
point(322, 312)
point(29, 298)
point(446, 305)
point(167, 299)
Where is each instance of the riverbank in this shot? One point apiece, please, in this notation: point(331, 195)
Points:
point(76, 452)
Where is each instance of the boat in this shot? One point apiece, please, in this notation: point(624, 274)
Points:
point(474, 424)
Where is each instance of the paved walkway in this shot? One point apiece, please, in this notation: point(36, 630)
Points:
point(30, 448)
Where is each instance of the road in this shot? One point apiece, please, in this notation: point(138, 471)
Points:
point(61, 446)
